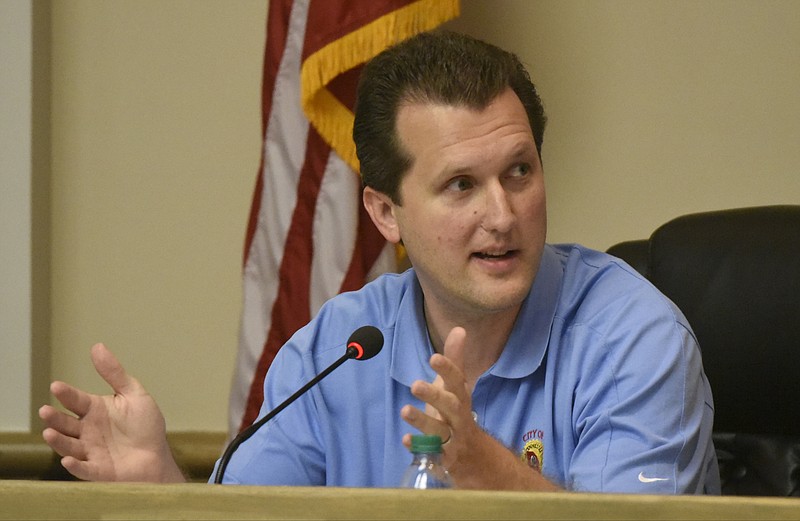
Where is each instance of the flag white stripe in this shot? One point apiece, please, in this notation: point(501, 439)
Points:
point(284, 154)
point(335, 228)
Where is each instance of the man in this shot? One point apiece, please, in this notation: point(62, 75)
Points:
point(541, 366)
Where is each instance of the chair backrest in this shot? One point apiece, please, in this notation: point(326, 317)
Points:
point(735, 274)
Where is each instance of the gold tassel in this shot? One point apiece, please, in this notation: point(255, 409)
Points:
point(330, 117)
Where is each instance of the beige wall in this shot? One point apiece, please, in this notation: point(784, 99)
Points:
point(657, 108)
point(156, 142)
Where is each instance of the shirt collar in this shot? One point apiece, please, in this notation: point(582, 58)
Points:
point(527, 344)
point(530, 336)
point(411, 345)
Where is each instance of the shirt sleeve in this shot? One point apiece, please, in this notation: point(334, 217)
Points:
point(643, 409)
point(287, 450)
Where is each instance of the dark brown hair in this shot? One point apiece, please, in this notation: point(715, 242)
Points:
point(435, 67)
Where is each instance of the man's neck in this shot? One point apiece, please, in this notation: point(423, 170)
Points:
point(487, 335)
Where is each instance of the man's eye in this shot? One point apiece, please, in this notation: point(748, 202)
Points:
point(459, 184)
point(521, 170)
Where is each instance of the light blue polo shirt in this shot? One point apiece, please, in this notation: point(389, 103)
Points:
point(601, 386)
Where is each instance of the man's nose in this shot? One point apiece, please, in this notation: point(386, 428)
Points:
point(498, 214)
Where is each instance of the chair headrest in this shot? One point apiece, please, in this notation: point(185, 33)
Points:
point(735, 274)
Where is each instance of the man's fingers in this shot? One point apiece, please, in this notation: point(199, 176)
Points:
point(64, 445)
point(452, 376)
point(109, 368)
point(423, 423)
point(450, 366)
point(79, 468)
point(454, 346)
point(71, 398)
point(442, 410)
point(434, 395)
point(447, 399)
point(62, 422)
point(407, 441)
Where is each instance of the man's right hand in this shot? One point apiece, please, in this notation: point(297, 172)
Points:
point(119, 437)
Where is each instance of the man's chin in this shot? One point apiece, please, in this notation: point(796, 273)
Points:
point(502, 298)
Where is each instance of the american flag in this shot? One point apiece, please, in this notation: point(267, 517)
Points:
point(308, 236)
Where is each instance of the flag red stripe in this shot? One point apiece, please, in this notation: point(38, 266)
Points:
point(291, 309)
point(334, 19)
point(277, 31)
point(284, 280)
point(368, 247)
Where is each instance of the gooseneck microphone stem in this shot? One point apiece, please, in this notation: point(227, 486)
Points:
point(248, 432)
point(363, 344)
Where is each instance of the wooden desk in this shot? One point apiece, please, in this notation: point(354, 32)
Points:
point(76, 500)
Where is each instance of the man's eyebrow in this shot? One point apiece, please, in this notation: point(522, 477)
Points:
point(523, 147)
point(519, 150)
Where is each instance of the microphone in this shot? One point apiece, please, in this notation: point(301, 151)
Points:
point(363, 344)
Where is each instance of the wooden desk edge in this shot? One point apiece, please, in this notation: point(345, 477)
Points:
point(76, 500)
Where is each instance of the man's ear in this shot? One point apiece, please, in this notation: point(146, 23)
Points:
point(381, 209)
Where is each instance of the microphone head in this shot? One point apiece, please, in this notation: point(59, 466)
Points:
point(365, 342)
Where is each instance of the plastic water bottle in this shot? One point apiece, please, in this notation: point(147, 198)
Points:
point(426, 470)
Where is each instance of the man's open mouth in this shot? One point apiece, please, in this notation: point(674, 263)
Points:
point(495, 255)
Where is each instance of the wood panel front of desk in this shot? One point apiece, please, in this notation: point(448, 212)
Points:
point(76, 500)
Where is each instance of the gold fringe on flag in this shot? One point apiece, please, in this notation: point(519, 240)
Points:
point(330, 117)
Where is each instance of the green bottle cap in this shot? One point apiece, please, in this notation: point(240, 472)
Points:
point(426, 443)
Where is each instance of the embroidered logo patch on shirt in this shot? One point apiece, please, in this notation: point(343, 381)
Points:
point(533, 450)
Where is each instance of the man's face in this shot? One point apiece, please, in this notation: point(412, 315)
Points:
point(473, 217)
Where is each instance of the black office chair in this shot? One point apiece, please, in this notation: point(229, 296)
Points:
point(735, 274)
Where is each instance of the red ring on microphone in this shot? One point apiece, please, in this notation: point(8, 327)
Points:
point(358, 348)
